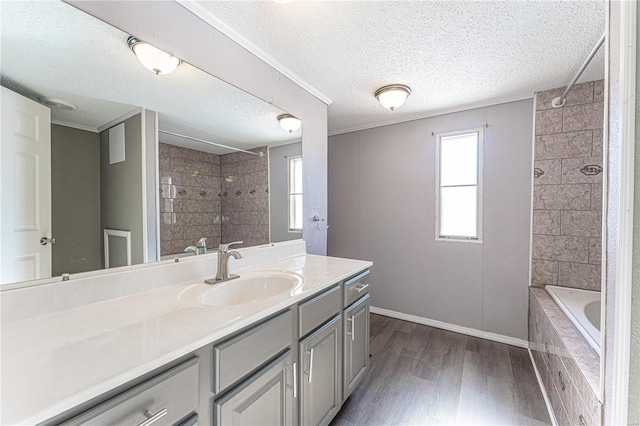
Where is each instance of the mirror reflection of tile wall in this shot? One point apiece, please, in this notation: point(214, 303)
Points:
point(189, 201)
point(221, 197)
point(245, 197)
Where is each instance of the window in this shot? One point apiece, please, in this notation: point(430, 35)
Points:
point(459, 186)
point(295, 194)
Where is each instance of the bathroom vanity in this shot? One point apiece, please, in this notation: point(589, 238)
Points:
point(162, 357)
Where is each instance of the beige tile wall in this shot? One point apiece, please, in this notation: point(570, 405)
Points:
point(567, 206)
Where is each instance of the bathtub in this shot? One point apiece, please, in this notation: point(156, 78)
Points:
point(583, 309)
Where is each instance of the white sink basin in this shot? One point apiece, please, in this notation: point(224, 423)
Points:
point(251, 287)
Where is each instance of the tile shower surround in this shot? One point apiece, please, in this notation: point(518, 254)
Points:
point(202, 195)
point(567, 206)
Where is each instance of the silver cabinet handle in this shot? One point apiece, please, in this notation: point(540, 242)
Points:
point(295, 380)
point(152, 418)
point(294, 371)
point(44, 241)
point(361, 288)
point(352, 333)
point(310, 371)
point(353, 328)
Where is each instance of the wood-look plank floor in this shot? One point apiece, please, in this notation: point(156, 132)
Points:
point(421, 375)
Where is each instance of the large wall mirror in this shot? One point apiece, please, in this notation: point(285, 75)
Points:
point(121, 166)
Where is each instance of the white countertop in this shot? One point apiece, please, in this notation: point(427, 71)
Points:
point(54, 362)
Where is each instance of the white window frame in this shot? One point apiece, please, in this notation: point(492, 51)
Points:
point(290, 193)
point(464, 239)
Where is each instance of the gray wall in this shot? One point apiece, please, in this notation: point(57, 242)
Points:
point(173, 28)
point(279, 191)
point(382, 208)
point(75, 200)
point(121, 187)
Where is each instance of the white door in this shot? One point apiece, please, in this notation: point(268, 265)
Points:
point(25, 188)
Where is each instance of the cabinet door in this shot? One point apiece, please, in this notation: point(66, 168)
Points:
point(356, 344)
point(266, 398)
point(320, 388)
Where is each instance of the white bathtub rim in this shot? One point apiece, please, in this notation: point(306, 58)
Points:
point(577, 316)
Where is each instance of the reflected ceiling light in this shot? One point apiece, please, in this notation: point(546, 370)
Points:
point(289, 123)
point(393, 96)
point(154, 59)
point(55, 103)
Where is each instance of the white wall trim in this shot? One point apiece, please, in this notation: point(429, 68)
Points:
point(533, 188)
point(452, 327)
point(120, 119)
point(547, 401)
point(204, 14)
point(75, 126)
point(624, 267)
point(143, 189)
point(420, 116)
point(120, 234)
point(156, 160)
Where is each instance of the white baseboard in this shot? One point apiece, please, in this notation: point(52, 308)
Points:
point(547, 401)
point(452, 327)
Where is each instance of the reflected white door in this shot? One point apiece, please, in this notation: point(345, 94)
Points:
point(25, 188)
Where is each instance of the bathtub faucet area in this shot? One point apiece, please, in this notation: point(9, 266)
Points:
point(199, 248)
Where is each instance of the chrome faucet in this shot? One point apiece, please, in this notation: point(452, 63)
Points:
point(223, 263)
point(200, 247)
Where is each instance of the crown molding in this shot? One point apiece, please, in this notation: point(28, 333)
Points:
point(430, 114)
point(120, 119)
point(204, 14)
point(75, 126)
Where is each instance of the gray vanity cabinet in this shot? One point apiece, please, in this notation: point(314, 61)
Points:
point(164, 400)
point(265, 399)
point(321, 378)
point(295, 367)
point(356, 344)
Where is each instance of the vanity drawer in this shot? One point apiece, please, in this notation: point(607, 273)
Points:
point(174, 393)
point(245, 353)
point(355, 288)
point(315, 312)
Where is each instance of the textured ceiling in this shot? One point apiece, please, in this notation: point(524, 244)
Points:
point(52, 49)
point(452, 53)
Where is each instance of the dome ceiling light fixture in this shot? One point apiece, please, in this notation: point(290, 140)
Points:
point(289, 123)
point(393, 95)
point(156, 60)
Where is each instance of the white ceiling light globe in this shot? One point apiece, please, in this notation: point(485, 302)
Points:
point(393, 96)
point(156, 60)
point(289, 123)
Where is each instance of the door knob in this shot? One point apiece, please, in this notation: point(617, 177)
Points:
point(44, 241)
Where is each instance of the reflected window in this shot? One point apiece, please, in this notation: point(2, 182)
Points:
point(295, 194)
point(459, 186)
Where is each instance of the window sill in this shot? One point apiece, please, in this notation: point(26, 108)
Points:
point(456, 240)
